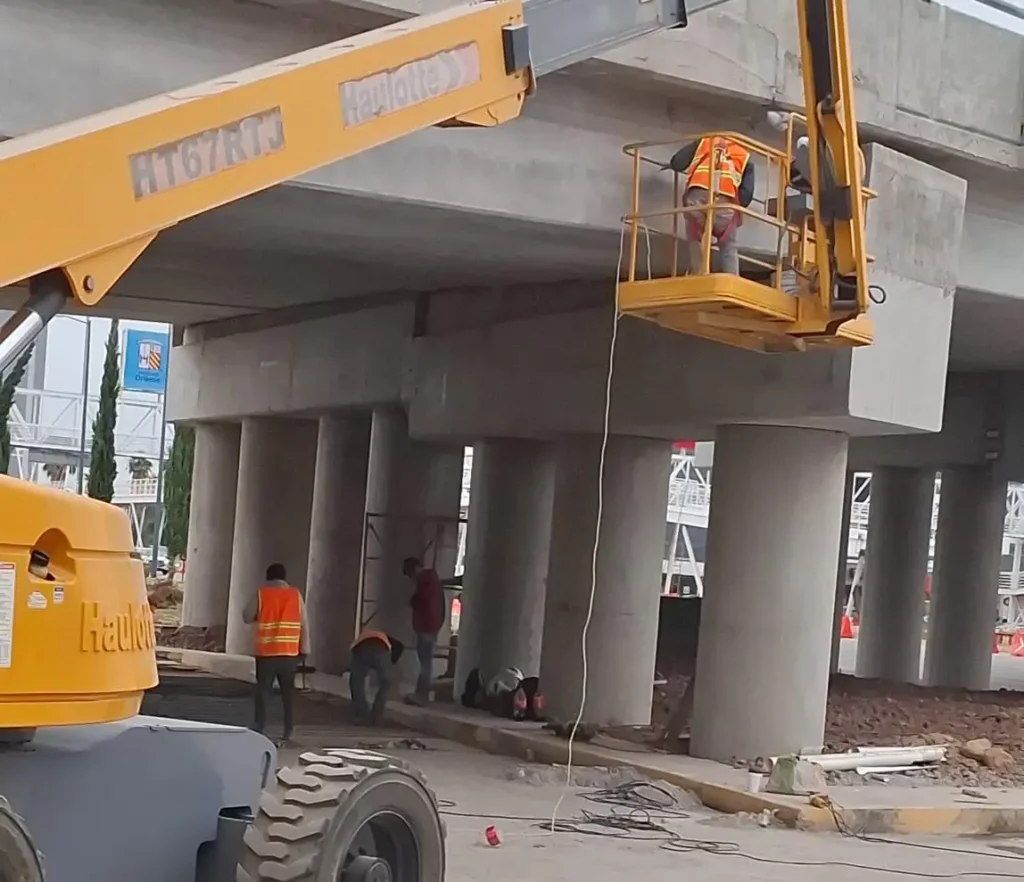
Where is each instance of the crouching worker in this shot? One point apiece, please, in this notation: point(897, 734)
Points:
point(376, 652)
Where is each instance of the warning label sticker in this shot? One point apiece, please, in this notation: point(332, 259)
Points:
point(7, 584)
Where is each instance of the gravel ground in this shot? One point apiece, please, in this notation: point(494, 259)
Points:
point(867, 712)
point(874, 713)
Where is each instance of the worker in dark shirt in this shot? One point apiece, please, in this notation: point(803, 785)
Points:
point(725, 165)
point(377, 652)
point(428, 614)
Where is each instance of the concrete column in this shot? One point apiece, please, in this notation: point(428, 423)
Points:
point(623, 631)
point(889, 640)
point(211, 524)
point(506, 558)
point(965, 584)
point(844, 550)
point(413, 491)
point(769, 582)
point(336, 537)
point(272, 513)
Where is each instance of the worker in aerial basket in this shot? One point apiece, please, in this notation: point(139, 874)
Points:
point(279, 613)
point(724, 164)
point(376, 652)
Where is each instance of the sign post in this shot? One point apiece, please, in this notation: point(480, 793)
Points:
point(146, 357)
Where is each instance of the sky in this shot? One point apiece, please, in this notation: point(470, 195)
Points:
point(64, 351)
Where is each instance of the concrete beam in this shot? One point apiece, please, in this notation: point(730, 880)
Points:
point(350, 360)
point(983, 426)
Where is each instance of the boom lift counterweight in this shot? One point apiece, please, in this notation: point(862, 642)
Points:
point(80, 203)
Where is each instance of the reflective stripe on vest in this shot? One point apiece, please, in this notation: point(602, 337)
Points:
point(278, 622)
point(372, 635)
point(730, 162)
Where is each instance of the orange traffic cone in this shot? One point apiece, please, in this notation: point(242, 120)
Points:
point(846, 629)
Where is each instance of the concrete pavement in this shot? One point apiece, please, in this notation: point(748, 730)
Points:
point(1007, 671)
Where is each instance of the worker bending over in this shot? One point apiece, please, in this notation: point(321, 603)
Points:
point(279, 613)
point(376, 652)
point(728, 165)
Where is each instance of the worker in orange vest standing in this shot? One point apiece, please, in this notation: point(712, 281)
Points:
point(279, 613)
point(724, 165)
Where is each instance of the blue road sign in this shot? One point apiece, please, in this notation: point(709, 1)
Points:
point(145, 361)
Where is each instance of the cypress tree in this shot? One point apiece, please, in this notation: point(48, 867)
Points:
point(7, 389)
point(102, 464)
point(178, 491)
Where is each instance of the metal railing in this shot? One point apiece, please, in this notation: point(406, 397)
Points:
point(669, 222)
point(57, 425)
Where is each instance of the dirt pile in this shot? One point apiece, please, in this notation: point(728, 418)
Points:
point(983, 730)
point(191, 637)
point(163, 594)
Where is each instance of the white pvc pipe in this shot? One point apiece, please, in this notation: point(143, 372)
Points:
point(878, 757)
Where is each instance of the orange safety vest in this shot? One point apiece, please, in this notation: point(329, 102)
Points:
point(279, 621)
point(372, 635)
point(730, 162)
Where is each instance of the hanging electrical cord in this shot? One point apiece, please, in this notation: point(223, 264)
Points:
point(605, 432)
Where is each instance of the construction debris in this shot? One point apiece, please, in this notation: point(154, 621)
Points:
point(879, 759)
point(795, 776)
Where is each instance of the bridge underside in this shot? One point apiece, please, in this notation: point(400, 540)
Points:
point(308, 343)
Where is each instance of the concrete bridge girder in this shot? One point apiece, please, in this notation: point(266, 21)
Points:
point(541, 372)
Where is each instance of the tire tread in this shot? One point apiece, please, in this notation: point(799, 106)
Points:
point(295, 812)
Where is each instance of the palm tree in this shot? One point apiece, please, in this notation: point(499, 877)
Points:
point(56, 472)
point(140, 468)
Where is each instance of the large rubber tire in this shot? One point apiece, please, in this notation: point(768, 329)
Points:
point(20, 860)
point(318, 814)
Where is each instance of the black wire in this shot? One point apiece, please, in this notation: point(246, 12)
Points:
point(645, 801)
point(878, 298)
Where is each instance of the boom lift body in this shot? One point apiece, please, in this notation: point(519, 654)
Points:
point(81, 202)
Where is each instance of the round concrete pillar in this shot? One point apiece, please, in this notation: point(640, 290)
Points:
point(891, 624)
point(272, 514)
point(413, 493)
point(965, 584)
point(841, 567)
point(623, 633)
point(211, 525)
point(506, 558)
point(336, 536)
point(769, 581)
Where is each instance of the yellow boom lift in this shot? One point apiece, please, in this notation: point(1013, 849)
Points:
point(94, 792)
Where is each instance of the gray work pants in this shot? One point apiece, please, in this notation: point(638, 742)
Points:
point(370, 657)
point(727, 258)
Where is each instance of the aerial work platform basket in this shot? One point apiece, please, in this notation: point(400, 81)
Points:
point(777, 303)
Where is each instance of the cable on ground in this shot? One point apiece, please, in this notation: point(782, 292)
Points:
point(644, 804)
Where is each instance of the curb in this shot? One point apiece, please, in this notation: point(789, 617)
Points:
point(535, 746)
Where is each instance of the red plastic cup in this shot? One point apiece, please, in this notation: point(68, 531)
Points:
point(491, 835)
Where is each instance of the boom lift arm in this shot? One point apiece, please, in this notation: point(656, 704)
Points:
point(84, 199)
